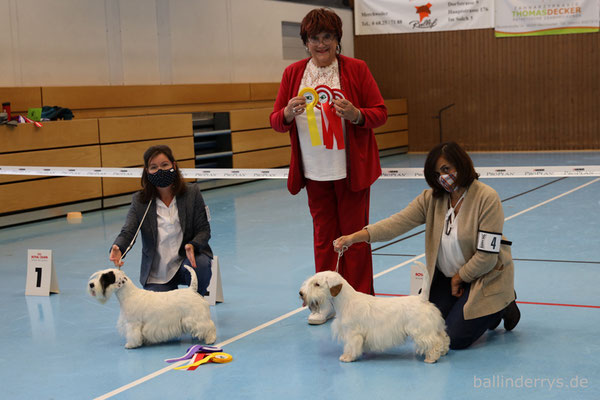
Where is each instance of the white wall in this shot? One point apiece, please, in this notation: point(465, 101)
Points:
point(129, 42)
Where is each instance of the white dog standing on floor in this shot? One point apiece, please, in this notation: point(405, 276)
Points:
point(154, 317)
point(369, 323)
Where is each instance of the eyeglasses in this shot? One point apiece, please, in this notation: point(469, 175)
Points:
point(153, 168)
point(326, 39)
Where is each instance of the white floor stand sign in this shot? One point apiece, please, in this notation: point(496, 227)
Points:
point(215, 287)
point(416, 280)
point(41, 275)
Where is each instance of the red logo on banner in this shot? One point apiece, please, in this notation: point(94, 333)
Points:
point(423, 11)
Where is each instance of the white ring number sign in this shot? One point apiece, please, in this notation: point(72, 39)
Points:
point(41, 275)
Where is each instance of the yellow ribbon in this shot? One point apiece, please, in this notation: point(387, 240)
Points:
point(312, 98)
point(218, 357)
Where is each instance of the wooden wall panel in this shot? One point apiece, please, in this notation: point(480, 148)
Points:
point(391, 140)
point(270, 158)
point(396, 106)
point(53, 134)
point(169, 109)
point(258, 139)
point(47, 192)
point(250, 119)
point(85, 97)
point(530, 93)
point(264, 91)
point(143, 128)
point(393, 123)
point(130, 154)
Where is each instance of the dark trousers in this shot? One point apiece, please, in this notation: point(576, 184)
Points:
point(462, 332)
point(182, 276)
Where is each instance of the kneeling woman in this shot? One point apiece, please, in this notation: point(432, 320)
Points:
point(467, 256)
point(174, 226)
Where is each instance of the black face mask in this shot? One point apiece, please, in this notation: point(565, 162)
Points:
point(162, 178)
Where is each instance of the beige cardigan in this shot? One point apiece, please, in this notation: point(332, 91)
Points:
point(491, 275)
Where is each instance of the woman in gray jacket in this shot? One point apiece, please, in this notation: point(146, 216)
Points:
point(174, 226)
point(467, 256)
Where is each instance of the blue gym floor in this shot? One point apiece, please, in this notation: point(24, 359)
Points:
point(66, 346)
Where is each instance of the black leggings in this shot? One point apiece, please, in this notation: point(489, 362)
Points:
point(462, 332)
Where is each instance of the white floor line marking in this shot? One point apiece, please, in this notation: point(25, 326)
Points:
point(552, 199)
point(398, 266)
point(296, 311)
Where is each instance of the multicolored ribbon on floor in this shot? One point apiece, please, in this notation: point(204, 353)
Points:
point(201, 354)
point(203, 358)
point(312, 99)
point(197, 348)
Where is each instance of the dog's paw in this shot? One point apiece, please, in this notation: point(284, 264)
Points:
point(347, 358)
point(130, 345)
point(430, 360)
point(210, 338)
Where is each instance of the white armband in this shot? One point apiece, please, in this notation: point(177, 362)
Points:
point(489, 242)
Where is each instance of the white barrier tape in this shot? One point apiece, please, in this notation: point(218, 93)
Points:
point(228, 173)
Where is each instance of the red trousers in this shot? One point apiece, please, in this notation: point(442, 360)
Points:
point(337, 211)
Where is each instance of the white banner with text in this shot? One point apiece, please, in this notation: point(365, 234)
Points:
point(374, 17)
point(540, 17)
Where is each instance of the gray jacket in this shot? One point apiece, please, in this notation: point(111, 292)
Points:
point(192, 217)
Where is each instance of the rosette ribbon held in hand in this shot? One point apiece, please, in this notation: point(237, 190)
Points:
point(312, 98)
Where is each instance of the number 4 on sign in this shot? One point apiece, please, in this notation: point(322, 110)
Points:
point(41, 275)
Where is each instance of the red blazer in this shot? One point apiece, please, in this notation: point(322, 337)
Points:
point(362, 154)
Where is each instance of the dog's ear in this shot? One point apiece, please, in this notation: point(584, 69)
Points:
point(106, 280)
point(335, 290)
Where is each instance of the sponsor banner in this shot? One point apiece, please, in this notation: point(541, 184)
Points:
point(546, 17)
point(373, 17)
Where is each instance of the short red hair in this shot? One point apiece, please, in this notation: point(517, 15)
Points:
point(320, 20)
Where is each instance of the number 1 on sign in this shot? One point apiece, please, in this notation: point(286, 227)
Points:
point(38, 270)
point(41, 275)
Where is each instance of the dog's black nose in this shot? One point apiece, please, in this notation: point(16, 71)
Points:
point(300, 293)
point(92, 285)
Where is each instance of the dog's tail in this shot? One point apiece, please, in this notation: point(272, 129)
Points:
point(194, 279)
point(424, 292)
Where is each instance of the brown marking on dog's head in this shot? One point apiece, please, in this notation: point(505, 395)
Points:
point(335, 290)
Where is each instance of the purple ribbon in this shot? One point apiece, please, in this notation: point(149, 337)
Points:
point(197, 348)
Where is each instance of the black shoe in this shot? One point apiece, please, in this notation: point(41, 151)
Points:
point(495, 324)
point(511, 317)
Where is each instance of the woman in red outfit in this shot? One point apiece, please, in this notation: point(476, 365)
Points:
point(337, 174)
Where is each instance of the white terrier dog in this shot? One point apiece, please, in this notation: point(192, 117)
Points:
point(369, 323)
point(154, 317)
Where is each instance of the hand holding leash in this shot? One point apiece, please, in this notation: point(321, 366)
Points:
point(189, 252)
point(340, 250)
point(115, 256)
point(341, 244)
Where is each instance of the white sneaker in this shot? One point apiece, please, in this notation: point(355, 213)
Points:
point(320, 317)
